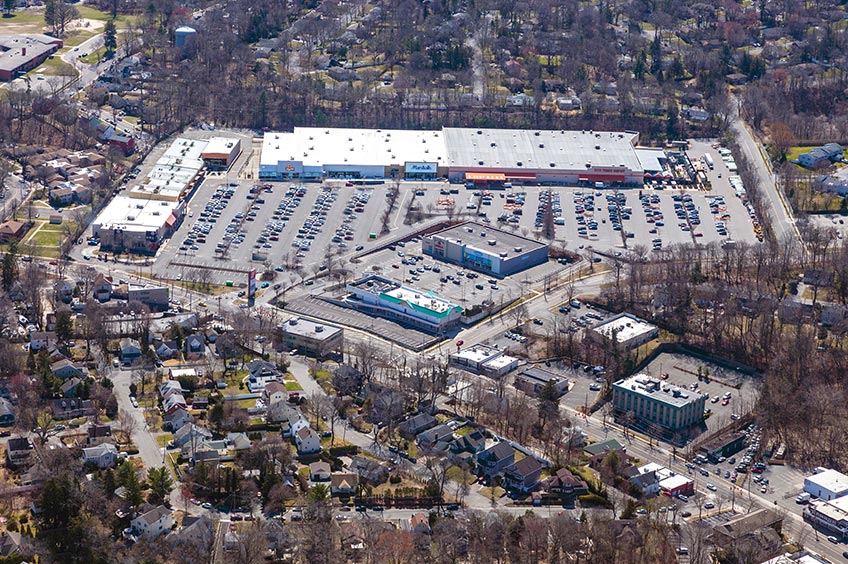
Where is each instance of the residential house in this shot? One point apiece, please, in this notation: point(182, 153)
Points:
point(10, 543)
point(207, 451)
point(493, 460)
point(167, 350)
point(281, 411)
point(190, 432)
point(64, 290)
point(344, 484)
point(565, 484)
point(238, 441)
point(195, 347)
point(416, 425)
point(294, 424)
point(7, 413)
point(130, 350)
point(65, 369)
point(200, 403)
point(431, 438)
point(369, 470)
point(64, 409)
point(757, 534)
point(261, 373)
point(319, 471)
point(19, 452)
point(101, 289)
point(523, 476)
point(307, 441)
point(387, 404)
point(348, 379)
point(170, 387)
point(12, 231)
point(174, 402)
point(177, 419)
point(41, 340)
point(466, 448)
point(98, 434)
point(647, 482)
point(419, 524)
point(69, 387)
point(153, 523)
point(103, 455)
point(275, 392)
point(196, 534)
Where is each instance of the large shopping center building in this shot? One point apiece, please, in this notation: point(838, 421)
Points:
point(479, 156)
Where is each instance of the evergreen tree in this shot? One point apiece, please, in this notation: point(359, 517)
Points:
point(8, 6)
point(64, 325)
point(110, 38)
point(10, 266)
point(160, 482)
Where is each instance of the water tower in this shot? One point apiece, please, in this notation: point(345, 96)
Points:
point(183, 35)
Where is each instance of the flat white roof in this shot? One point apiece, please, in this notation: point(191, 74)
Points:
point(651, 159)
point(476, 353)
point(540, 149)
point(177, 372)
point(674, 482)
point(173, 171)
point(500, 361)
point(421, 299)
point(625, 327)
point(319, 146)
point(831, 480)
point(309, 328)
point(135, 214)
point(221, 145)
point(657, 390)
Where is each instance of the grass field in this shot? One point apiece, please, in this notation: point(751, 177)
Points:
point(54, 67)
point(94, 57)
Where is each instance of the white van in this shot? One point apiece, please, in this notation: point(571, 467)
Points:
point(803, 498)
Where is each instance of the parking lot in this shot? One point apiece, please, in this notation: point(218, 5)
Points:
point(405, 262)
point(234, 224)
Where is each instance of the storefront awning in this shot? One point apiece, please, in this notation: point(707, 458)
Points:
point(521, 175)
point(485, 176)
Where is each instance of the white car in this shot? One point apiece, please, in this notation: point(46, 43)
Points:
point(711, 487)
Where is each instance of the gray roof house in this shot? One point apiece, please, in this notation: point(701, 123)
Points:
point(431, 437)
point(7, 413)
point(494, 459)
point(416, 424)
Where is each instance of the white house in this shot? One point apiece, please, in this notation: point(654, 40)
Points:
point(275, 392)
point(177, 418)
point(307, 441)
point(41, 340)
point(102, 455)
point(153, 523)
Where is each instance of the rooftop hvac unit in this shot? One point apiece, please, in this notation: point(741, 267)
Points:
point(517, 249)
point(293, 321)
point(482, 234)
point(492, 242)
point(597, 147)
point(470, 229)
point(541, 145)
point(319, 328)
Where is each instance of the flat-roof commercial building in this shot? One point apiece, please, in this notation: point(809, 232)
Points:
point(628, 330)
point(22, 53)
point(136, 225)
point(221, 152)
point(484, 249)
point(314, 153)
point(484, 359)
point(827, 484)
point(387, 298)
point(534, 379)
point(545, 157)
point(306, 336)
point(175, 173)
point(830, 515)
point(153, 296)
point(479, 156)
point(151, 210)
point(652, 401)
